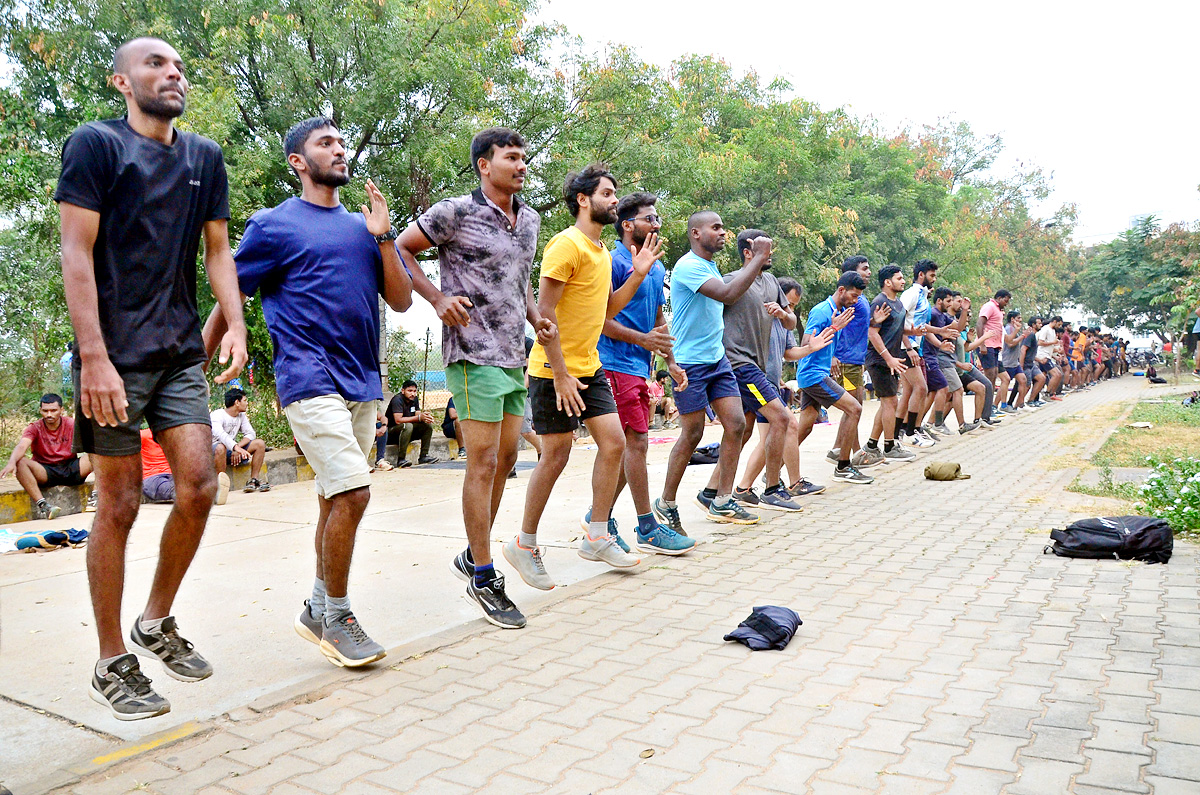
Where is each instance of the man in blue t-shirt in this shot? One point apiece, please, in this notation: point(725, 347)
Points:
point(320, 270)
point(817, 389)
point(627, 347)
point(698, 299)
point(849, 355)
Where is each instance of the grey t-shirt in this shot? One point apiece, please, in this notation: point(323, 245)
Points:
point(781, 340)
point(891, 330)
point(1010, 355)
point(748, 326)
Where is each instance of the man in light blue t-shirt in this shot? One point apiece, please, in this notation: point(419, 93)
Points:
point(698, 299)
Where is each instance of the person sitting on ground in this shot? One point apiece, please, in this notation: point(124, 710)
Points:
point(52, 463)
point(158, 484)
point(407, 422)
point(227, 423)
point(662, 404)
point(451, 429)
point(381, 462)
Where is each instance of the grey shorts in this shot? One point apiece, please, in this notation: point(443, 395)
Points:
point(159, 488)
point(527, 422)
point(949, 372)
point(163, 398)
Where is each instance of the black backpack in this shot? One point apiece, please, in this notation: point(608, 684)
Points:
point(1122, 537)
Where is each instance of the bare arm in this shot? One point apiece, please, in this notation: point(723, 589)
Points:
point(222, 275)
point(728, 292)
point(17, 454)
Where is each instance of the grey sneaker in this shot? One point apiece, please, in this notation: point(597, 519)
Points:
point(606, 551)
point(899, 454)
point(852, 475)
point(968, 427)
point(942, 429)
point(833, 454)
point(668, 515)
point(126, 691)
point(309, 626)
point(730, 513)
point(704, 500)
point(746, 496)
point(866, 458)
point(804, 487)
point(612, 529)
point(180, 660)
point(528, 563)
point(778, 499)
point(498, 609)
point(346, 645)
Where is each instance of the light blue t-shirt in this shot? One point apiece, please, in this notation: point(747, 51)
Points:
point(814, 368)
point(1196, 328)
point(697, 321)
point(639, 314)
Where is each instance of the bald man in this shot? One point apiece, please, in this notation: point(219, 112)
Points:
point(134, 198)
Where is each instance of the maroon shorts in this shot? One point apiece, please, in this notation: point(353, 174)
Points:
point(632, 394)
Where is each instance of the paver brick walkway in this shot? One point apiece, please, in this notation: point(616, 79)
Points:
point(941, 652)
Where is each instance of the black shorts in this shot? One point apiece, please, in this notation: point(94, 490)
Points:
point(884, 383)
point(164, 398)
point(65, 473)
point(547, 418)
point(823, 394)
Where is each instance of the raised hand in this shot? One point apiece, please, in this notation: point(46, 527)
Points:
point(761, 247)
point(647, 254)
point(378, 220)
point(822, 340)
point(843, 318)
point(452, 310)
point(658, 339)
point(881, 313)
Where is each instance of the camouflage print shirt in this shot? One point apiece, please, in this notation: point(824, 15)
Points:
point(485, 258)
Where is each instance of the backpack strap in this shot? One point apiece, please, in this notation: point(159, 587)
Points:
point(765, 627)
point(1058, 535)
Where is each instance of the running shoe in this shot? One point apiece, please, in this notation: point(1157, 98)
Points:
point(942, 429)
point(662, 540)
point(668, 516)
point(990, 422)
point(605, 550)
point(852, 475)
point(804, 487)
point(1055, 397)
point(867, 457)
point(345, 644)
point(528, 563)
point(779, 499)
point(383, 465)
point(462, 453)
point(462, 566)
point(730, 513)
point(429, 459)
point(126, 691)
point(309, 626)
point(920, 440)
point(746, 496)
point(968, 427)
point(90, 506)
point(497, 608)
point(899, 454)
point(180, 660)
point(833, 455)
point(48, 511)
point(222, 488)
point(612, 529)
point(704, 500)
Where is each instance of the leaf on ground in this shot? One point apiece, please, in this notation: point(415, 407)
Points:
point(649, 752)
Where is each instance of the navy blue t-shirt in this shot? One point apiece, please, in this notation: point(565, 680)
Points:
point(320, 274)
point(639, 314)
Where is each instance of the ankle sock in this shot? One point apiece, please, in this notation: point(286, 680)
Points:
point(151, 626)
point(597, 530)
point(527, 540)
point(709, 492)
point(872, 444)
point(647, 524)
point(316, 602)
point(843, 463)
point(889, 445)
point(102, 665)
point(335, 607)
point(484, 574)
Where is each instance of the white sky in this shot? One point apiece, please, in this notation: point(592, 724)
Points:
point(1100, 94)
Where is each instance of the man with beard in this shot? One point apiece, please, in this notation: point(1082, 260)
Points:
point(567, 384)
point(134, 196)
point(627, 347)
point(991, 327)
point(886, 362)
point(918, 385)
point(321, 271)
point(849, 355)
point(698, 298)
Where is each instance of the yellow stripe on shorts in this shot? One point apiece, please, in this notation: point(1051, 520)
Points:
point(757, 395)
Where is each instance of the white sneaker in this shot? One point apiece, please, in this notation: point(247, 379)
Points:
point(528, 563)
point(606, 551)
point(222, 488)
point(920, 441)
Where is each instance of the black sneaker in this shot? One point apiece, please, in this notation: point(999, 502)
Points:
point(251, 486)
point(804, 487)
point(180, 660)
point(852, 475)
point(746, 496)
point(462, 567)
point(668, 515)
point(498, 609)
point(730, 513)
point(704, 500)
point(429, 459)
point(126, 691)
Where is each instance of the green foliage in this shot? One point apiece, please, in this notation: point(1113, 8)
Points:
point(1172, 492)
point(406, 357)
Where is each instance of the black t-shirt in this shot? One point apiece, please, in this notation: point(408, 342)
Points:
point(891, 330)
point(153, 201)
point(402, 406)
point(1031, 351)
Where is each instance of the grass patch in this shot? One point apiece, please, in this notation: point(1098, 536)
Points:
point(1130, 447)
point(1055, 463)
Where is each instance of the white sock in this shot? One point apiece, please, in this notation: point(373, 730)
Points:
point(316, 602)
point(150, 627)
point(527, 540)
point(598, 531)
point(102, 665)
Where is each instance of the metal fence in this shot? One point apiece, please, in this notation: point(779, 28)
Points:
point(418, 359)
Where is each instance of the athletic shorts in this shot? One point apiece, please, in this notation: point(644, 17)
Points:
point(548, 418)
point(885, 384)
point(336, 435)
point(1031, 374)
point(632, 396)
point(853, 373)
point(988, 357)
point(1012, 371)
point(1074, 365)
point(706, 383)
point(229, 453)
point(934, 378)
point(974, 374)
point(64, 473)
point(484, 392)
point(1047, 367)
point(823, 394)
point(159, 488)
point(755, 388)
point(163, 398)
point(950, 373)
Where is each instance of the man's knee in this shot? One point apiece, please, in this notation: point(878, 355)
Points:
point(257, 446)
point(637, 443)
point(355, 500)
point(194, 488)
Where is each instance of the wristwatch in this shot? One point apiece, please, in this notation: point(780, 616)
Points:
point(387, 236)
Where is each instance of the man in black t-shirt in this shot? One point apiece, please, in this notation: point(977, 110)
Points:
point(134, 196)
point(887, 358)
point(407, 423)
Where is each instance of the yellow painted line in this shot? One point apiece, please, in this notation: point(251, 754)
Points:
point(156, 741)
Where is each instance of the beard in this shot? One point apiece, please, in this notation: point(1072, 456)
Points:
point(605, 216)
point(154, 105)
point(327, 177)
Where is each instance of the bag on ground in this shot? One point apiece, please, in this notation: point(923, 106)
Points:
point(944, 470)
point(706, 454)
point(1142, 538)
point(768, 627)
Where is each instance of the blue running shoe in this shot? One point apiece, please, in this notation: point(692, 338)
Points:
point(612, 529)
point(663, 540)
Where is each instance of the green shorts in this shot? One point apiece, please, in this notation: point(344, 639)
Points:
point(486, 393)
point(853, 373)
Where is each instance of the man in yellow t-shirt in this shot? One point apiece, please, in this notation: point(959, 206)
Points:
point(567, 384)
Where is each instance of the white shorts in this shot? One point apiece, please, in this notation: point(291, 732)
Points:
point(336, 436)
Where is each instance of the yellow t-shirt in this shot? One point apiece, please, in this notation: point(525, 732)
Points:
point(586, 270)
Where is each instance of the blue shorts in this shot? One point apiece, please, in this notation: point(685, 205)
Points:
point(706, 383)
point(934, 378)
point(755, 388)
point(822, 394)
point(1012, 371)
point(988, 357)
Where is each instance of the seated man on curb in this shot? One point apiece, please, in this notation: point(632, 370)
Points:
point(227, 423)
point(452, 430)
point(406, 422)
point(662, 404)
point(53, 463)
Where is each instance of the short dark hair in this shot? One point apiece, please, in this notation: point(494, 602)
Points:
point(1011, 314)
point(1056, 317)
point(585, 182)
point(629, 205)
point(51, 397)
point(887, 272)
point(852, 263)
point(942, 293)
point(233, 396)
point(852, 281)
point(484, 144)
point(743, 241)
point(297, 137)
point(407, 383)
point(787, 285)
point(661, 374)
point(121, 56)
point(922, 266)
point(1002, 294)
point(1035, 319)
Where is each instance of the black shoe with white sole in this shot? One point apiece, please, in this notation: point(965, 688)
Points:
point(180, 660)
point(498, 609)
point(852, 475)
point(125, 690)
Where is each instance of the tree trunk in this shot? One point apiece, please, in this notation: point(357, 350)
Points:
point(1177, 356)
